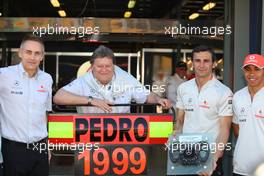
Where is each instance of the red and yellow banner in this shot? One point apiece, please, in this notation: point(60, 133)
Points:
point(109, 129)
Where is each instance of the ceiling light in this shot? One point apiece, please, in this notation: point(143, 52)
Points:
point(62, 13)
point(209, 6)
point(193, 16)
point(127, 14)
point(55, 3)
point(131, 4)
point(0, 14)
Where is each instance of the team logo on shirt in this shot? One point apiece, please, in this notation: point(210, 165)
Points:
point(16, 92)
point(242, 113)
point(16, 88)
point(205, 105)
point(189, 105)
point(259, 114)
point(41, 89)
point(16, 83)
point(230, 101)
point(92, 91)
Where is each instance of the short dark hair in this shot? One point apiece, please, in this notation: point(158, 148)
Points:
point(181, 64)
point(102, 51)
point(31, 37)
point(202, 48)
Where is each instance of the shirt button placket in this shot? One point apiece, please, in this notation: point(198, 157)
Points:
point(30, 108)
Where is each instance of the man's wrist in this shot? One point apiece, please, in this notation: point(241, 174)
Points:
point(177, 128)
point(90, 99)
point(177, 131)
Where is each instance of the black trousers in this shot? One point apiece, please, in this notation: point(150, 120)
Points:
point(1, 169)
point(22, 159)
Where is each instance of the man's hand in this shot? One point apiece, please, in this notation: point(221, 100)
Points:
point(102, 104)
point(222, 138)
point(154, 98)
point(177, 129)
point(175, 132)
point(165, 103)
point(214, 164)
point(49, 155)
point(205, 174)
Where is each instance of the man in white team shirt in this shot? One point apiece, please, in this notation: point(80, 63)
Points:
point(248, 121)
point(25, 97)
point(204, 104)
point(106, 84)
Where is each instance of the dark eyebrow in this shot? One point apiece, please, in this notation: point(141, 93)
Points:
point(199, 59)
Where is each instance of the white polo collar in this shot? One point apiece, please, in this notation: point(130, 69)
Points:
point(259, 92)
point(23, 72)
point(207, 84)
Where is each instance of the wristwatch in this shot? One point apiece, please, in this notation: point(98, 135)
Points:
point(90, 99)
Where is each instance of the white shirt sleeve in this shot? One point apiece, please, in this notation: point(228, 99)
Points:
point(1, 78)
point(235, 118)
point(74, 87)
point(179, 99)
point(49, 103)
point(225, 104)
